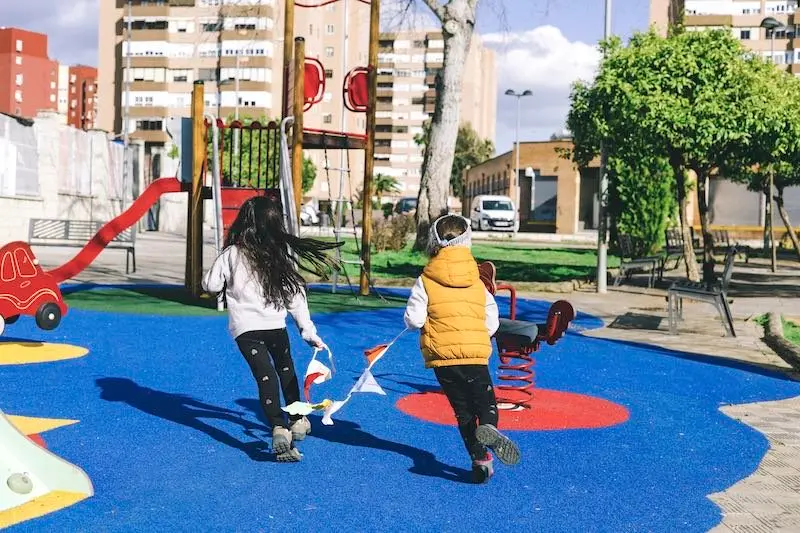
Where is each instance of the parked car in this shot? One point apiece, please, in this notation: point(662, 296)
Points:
point(309, 215)
point(406, 206)
point(494, 213)
point(25, 289)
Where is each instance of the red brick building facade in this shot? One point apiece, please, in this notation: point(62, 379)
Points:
point(28, 77)
point(82, 97)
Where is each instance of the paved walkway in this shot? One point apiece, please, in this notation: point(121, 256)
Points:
point(767, 501)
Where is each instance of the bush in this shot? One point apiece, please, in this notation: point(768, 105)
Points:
point(392, 234)
point(387, 208)
point(641, 200)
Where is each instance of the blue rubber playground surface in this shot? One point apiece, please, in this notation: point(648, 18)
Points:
point(170, 434)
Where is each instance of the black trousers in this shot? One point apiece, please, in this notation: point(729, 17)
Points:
point(471, 394)
point(265, 351)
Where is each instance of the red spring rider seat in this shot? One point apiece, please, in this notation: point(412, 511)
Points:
point(518, 339)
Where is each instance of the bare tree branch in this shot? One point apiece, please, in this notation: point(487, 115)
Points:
point(437, 8)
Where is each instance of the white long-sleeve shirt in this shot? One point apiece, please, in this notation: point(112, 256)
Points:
point(247, 309)
point(417, 309)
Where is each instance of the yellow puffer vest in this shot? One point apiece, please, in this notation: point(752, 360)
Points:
point(455, 332)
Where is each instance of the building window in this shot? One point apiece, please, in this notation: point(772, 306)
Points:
point(19, 80)
point(211, 27)
point(19, 45)
point(329, 51)
point(744, 35)
point(329, 29)
point(327, 118)
point(19, 60)
point(52, 85)
point(52, 98)
point(18, 96)
point(327, 97)
point(328, 73)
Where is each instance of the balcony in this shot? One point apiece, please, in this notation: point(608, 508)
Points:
point(149, 35)
point(142, 85)
point(150, 136)
point(246, 62)
point(709, 20)
point(149, 11)
point(247, 35)
point(148, 62)
point(147, 111)
point(246, 10)
point(182, 3)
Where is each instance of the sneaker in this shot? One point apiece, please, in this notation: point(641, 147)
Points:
point(502, 446)
point(482, 469)
point(281, 440)
point(300, 428)
point(292, 456)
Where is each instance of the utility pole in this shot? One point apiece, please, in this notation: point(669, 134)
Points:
point(602, 231)
point(126, 160)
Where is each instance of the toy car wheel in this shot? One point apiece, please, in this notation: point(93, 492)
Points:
point(12, 319)
point(48, 316)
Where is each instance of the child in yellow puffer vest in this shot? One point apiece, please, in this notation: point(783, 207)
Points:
point(458, 317)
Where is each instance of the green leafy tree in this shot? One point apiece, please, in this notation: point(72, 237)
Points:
point(384, 184)
point(471, 150)
point(777, 145)
point(693, 98)
point(309, 174)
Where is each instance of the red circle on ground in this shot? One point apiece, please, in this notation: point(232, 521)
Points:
point(550, 410)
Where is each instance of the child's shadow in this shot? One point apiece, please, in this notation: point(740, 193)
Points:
point(351, 434)
point(187, 411)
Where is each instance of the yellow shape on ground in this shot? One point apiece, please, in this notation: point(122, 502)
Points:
point(33, 426)
point(45, 504)
point(22, 353)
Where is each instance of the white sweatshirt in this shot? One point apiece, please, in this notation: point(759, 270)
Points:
point(247, 310)
point(417, 309)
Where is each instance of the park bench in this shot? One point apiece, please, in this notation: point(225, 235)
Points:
point(715, 293)
point(632, 259)
point(77, 233)
point(722, 242)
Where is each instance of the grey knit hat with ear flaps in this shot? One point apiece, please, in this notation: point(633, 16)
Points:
point(435, 242)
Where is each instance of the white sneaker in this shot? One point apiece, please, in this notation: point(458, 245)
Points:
point(300, 428)
point(281, 440)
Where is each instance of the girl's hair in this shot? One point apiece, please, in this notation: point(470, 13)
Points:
point(273, 254)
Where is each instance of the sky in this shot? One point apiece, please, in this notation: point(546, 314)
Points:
point(540, 45)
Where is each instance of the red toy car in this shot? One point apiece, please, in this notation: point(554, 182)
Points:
point(25, 289)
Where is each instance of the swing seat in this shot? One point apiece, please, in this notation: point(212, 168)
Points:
point(355, 90)
point(314, 82)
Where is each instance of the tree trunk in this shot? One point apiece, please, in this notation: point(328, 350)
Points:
point(786, 222)
point(708, 241)
point(458, 17)
point(688, 247)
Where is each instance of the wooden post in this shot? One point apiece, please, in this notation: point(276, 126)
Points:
point(194, 230)
point(288, 38)
point(299, 103)
point(369, 149)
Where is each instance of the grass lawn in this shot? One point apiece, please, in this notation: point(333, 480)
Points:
point(176, 302)
point(514, 262)
point(791, 330)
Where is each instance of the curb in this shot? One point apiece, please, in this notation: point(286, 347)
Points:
point(773, 336)
point(558, 287)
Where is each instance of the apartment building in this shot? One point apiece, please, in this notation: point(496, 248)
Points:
point(408, 63)
point(175, 42)
point(81, 95)
point(743, 18)
point(28, 77)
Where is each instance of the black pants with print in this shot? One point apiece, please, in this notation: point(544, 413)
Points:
point(266, 351)
point(471, 394)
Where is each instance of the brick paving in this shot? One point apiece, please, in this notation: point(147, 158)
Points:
point(766, 501)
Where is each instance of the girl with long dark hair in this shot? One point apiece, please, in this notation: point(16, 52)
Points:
point(259, 271)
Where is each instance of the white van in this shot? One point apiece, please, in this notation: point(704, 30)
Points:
point(494, 213)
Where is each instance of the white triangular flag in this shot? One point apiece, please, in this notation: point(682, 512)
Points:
point(367, 383)
point(331, 409)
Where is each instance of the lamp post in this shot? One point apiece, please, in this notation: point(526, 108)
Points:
point(771, 25)
point(602, 231)
point(519, 96)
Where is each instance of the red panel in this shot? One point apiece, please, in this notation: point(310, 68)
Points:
point(234, 197)
point(356, 90)
point(314, 74)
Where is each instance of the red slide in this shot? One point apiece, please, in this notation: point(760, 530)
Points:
point(131, 216)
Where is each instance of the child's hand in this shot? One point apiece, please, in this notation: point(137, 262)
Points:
point(316, 342)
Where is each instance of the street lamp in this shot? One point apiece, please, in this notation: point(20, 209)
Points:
point(519, 96)
point(771, 25)
point(602, 230)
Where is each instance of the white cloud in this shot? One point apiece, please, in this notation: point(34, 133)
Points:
point(547, 63)
point(71, 26)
